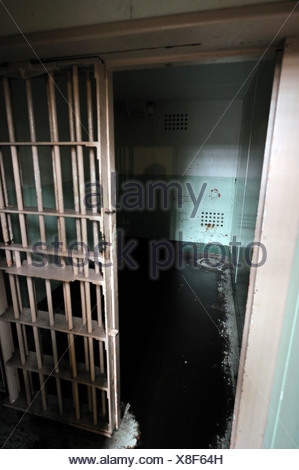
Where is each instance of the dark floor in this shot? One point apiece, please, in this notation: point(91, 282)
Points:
point(171, 371)
point(171, 354)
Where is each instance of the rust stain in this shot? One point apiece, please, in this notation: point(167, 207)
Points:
point(214, 194)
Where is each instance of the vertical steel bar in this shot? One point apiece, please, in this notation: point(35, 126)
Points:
point(102, 156)
point(24, 235)
point(68, 304)
point(57, 174)
point(76, 204)
point(3, 217)
point(73, 155)
point(38, 187)
point(15, 160)
point(52, 322)
point(21, 332)
point(4, 220)
point(6, 344)
point(81, 187)
point(93, 180)
point(35, 158)
point(37, 342)
point(16, 307)
point(61, 226)
point(106, 156)
point(84, 228)
point(54, 343)
point(85, 288)
point(5, 196)
point(78, 223)
point(80, 161)
point(101, 153)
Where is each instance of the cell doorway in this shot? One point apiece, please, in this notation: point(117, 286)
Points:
point(189, 150)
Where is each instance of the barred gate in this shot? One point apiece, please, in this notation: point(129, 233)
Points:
point(58, 278)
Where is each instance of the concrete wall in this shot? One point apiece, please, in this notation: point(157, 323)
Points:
point(42, 15)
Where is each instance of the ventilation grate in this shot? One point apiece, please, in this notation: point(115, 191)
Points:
point(212, 219)
point(175, 122)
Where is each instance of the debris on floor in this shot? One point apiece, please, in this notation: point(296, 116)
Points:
point(25, 431)
point(228, 328)
point(126, 437)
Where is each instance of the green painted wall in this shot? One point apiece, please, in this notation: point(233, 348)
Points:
point(247, 186)
point(282, 431)
point(147, 152)
point(160, 223)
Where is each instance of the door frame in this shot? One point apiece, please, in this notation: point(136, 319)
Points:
point(258, 428)
point(277, 228)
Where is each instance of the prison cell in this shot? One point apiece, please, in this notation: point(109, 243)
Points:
point(59, 325)
point(59, 332)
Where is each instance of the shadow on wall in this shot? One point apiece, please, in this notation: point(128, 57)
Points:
point(144, 222)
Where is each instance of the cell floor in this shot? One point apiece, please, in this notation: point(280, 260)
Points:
point(178, 362)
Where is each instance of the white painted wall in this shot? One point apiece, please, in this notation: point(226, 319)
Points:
point(42, 15)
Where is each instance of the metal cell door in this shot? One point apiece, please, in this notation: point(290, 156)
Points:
point(58, 277)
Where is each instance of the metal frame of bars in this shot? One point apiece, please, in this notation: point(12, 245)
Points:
point(85, 391)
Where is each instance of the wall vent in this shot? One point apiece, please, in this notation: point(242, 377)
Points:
point(175, 122)
point(212, 219)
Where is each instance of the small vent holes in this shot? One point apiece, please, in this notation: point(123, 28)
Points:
point(212, 219)
point(175, 122)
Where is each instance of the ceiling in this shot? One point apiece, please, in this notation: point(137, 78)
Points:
point(251, 29)
point(208, 82)
point(44, 15)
